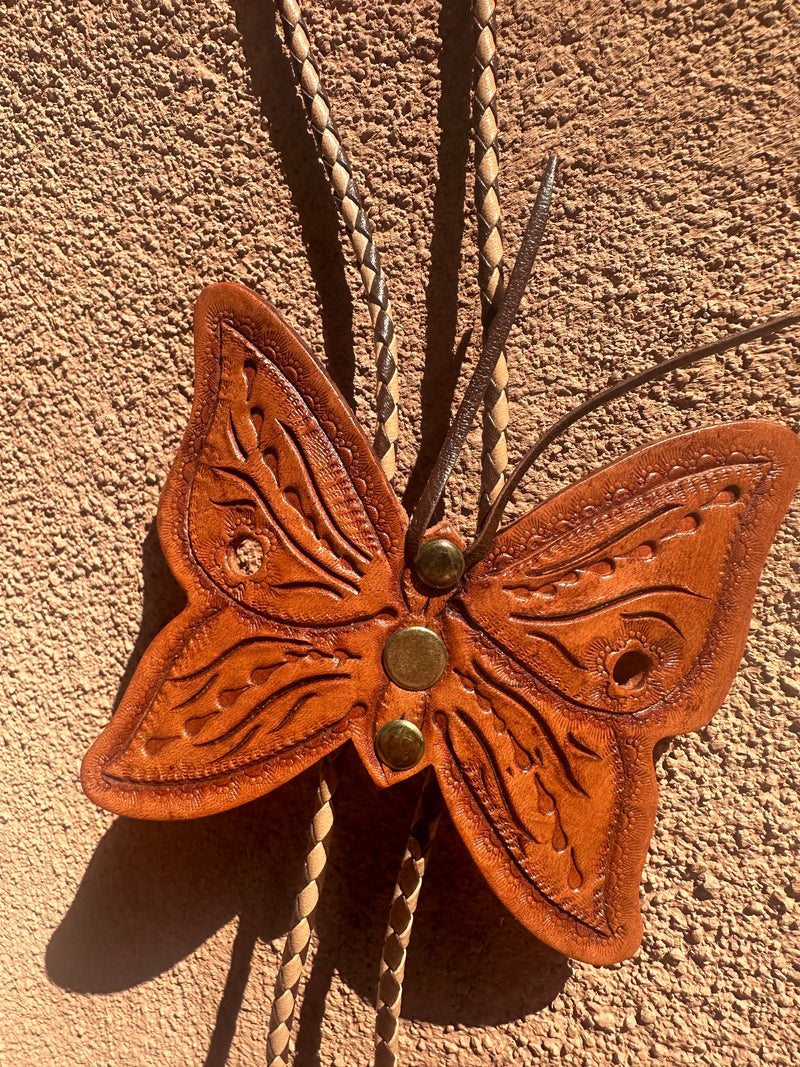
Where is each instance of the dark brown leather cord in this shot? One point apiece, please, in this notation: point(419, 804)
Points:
point(478, 383)
point(482, 543)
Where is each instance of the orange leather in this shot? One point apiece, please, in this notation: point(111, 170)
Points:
point(611, 616)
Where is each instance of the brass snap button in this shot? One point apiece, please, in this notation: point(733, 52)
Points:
point(399, 744)
point(415, 658)
point(439, 563)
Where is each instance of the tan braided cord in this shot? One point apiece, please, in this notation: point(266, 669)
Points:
point(358, 228)
point(401, 919)
point(494, 463)
point(305, 905)
point(490, 246)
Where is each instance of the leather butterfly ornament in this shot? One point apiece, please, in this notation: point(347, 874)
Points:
point(611, 616)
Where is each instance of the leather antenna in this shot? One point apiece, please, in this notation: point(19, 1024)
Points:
point(496, 338)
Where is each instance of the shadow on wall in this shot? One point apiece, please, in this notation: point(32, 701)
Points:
point(272, 81)
point(153, 892)
point(162, 600)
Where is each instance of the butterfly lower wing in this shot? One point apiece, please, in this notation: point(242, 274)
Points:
point(221, 711)
point(612, 616)
point(537, 793)
point(282, 529)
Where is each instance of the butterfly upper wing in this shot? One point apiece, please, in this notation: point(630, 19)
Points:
point(273, 452)
point(288, 541)
point(612, 616)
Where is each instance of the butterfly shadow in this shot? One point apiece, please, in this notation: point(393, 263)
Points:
point(154, 892)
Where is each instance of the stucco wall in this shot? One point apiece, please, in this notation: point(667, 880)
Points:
point(148, 149)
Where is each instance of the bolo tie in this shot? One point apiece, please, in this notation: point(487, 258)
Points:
point(527, 674)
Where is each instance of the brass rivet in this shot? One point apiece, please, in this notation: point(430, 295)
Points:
point(439, 563)
point(399, 744)
point(415, 658)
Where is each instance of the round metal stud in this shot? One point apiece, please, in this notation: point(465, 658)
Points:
point(439, 563)
point(415, 658)
point(399, 744)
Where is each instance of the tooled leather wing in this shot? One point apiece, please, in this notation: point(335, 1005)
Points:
point(612, 616)
point(281, 528)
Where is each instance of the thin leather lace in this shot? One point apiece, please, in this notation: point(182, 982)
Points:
point(482, 543)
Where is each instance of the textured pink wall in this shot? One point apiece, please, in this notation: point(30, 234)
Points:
point(151, 148)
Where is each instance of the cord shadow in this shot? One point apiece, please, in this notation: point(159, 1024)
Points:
point(233, 994)
point(272, 81)
point(442, 360)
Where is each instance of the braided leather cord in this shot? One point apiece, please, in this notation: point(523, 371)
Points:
point(401, 919)
point(494, 464)
point(358, 228)
point(495, 461)
point(490, 247)
point(298, 939)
